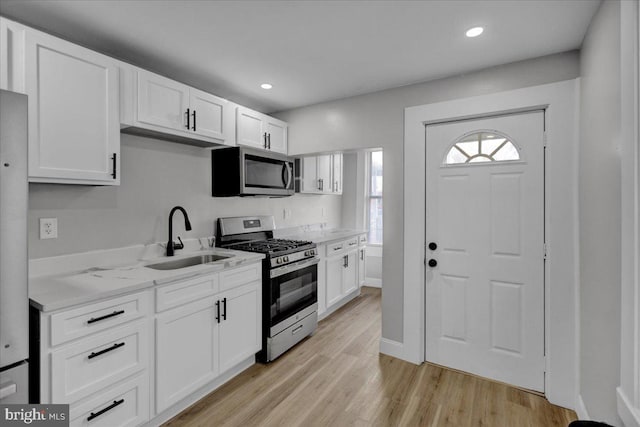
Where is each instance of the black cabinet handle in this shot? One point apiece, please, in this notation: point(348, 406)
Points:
point(106, 350)
point(269, 139)
point(362, 254)
point(108, 408)
point(265, 140)
point(187, 114)
point(106, 316)
point(345, 261)
point(115, 165)
point(194, 119)
point(433, 263)
point(433, 246)
point(224, 309)
point(218, 311)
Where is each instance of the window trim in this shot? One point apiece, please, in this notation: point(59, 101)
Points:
point(369, 196)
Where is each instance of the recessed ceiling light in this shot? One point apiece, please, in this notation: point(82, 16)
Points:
point(474, 32)
point(266, 86)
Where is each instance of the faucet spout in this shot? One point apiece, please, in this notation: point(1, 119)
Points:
point(171, 246)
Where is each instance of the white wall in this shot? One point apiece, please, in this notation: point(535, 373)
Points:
point(156, 175)
point(599, 208)
point(376, 120)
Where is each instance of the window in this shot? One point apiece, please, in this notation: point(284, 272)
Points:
point(374, 197)
point(482, 147)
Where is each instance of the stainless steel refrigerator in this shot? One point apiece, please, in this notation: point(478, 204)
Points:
point(14, 298)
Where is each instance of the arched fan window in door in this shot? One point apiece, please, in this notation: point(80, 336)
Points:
point(482, 147)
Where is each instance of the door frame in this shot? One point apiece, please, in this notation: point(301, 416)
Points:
point(561, 222)
point(532, 109)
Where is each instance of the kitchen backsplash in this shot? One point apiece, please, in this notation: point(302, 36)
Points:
point(156, 175)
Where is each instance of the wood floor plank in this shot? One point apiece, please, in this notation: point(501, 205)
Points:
point(338, 378)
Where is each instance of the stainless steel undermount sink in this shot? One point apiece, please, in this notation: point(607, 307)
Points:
point(187, 262)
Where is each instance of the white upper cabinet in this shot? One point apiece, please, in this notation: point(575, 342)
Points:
point(74, 129)
point(249, 128)
point(320, 174)
point(208, 115)
point(162, 102)
point(336, 179)
point(276, 134)
point(158, 106)
point(258, 130)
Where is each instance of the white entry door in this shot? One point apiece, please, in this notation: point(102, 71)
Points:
point(485, 247)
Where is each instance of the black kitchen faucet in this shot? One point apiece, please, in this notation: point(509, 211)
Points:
point(171, 246)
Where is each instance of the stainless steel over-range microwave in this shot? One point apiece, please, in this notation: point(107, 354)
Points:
point(239, 171)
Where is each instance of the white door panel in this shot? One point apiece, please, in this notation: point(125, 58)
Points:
point(485, 296)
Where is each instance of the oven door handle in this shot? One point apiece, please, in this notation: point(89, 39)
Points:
point(277, 272)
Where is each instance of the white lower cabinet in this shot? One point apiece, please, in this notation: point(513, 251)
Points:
point(102, 358)
point(186, 341)
point(240, 334)
point(340, 273)
point(198, 341)
point(97, 359)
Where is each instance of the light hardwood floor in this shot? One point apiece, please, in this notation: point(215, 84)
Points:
point(338, 378)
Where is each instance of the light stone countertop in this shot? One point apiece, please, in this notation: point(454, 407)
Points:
point(323, 236)
point(65, 289)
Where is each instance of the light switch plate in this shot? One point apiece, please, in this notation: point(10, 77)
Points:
point(48, 228)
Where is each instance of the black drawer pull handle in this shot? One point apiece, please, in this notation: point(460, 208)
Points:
point(224, 307)
point(218, 311)
point(106, 316)
point(108, 408)
point(106, 350)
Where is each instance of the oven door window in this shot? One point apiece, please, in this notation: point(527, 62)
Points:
point(293, 292)
point(262, 172)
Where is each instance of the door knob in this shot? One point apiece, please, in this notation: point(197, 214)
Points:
point(433, 246)
point(433, 262)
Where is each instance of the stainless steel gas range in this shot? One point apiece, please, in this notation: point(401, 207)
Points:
point(289, 281)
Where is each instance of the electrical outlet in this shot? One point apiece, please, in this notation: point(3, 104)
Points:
point(48, 228)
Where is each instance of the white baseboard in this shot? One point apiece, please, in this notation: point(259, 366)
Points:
point(630, 416)
point(392, 348)
point(374, 283)
point(581, 409)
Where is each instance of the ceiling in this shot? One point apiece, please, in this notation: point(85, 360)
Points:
point(311, 51)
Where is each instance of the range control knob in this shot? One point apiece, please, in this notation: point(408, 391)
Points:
point(286, 259)
point(312, 252)
point(278, 260)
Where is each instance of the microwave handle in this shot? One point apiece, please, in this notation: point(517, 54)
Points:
point(287, 181)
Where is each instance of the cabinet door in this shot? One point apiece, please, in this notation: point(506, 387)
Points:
point(208, 115)
point(337, 174)
point(240, 328)
point(362, 264)
point(309, 175)
point(322, 282)
point(350, 272)
point(249, 130)
point(162, 102)
point(277, 134)
point(74, 125)
point(186, 353)
point(324, 173)
point(335, 266)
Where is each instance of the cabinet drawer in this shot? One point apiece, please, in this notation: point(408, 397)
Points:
point(85, 367)
point(335, 248)
point(239, 276)
point(190, 290)
point(362, 239)
point(76, 323)
point(352, 243)
point(124, 405)
point(341, 246)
